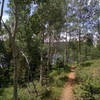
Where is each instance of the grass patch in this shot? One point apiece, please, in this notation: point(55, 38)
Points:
point(86, 64)
point(57, 80)
point(87, 85)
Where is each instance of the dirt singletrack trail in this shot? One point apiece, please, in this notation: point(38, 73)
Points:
point(67, 92)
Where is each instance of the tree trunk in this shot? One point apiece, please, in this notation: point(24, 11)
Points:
point(41, 70)
point(66, 50)
point(1, 14)
point(41, 65)
point(15, 70)
point(14, 50)
point(79, 46)
point(49, 52)
point(99, 26)
point(86, 51)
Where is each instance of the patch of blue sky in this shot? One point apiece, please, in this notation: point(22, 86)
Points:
point(33, 6)
point(5, 15)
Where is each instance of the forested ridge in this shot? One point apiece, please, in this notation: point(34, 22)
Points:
point(50, 50)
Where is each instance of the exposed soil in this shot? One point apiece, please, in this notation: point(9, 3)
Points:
point(68, 93)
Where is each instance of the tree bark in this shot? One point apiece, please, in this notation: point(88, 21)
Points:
point(41, 71)
point(49, 52)
point(79, 46)
point(14, 50)
point(41, 65)
point(66, 50)
point(1, 14)
point(86, 52)
point(99, 26)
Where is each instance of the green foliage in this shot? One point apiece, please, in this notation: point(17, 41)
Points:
point(58, 77)
point(53, 91)
point(5, 68)
point(7, 94)
point(95, 52)
point(59, 63)
point(35, 25)
point(85, 64)
point(61, 66)
point(87, 79)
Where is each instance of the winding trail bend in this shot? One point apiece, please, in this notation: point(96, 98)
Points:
point(67, 92)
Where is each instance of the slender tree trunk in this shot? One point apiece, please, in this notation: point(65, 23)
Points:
point(1, 13)
point(14, 50)
point(13, 45)
point(99, 26)
point(41, 70)
point(52, 48)
point(15, 71)
point(69, 49)
point(86, 51)
point(79, 46)
point(41, 65)
point(49, 52)
point(66, 50)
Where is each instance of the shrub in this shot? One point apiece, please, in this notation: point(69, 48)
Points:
point(86, 64)
point(88, 82)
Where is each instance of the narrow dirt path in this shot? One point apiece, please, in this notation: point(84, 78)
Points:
point(67, 93)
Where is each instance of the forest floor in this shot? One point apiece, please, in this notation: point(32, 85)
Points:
point(67, 92)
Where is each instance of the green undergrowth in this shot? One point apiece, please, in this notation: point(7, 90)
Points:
point(87, 85)
point(53, 90)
